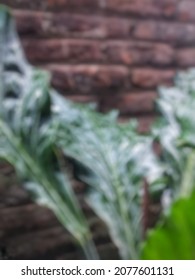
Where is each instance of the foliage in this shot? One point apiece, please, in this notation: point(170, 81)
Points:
point(26, 139)
point(111, 159)
point(174, 237)
point(175, 132)
point(38, 127)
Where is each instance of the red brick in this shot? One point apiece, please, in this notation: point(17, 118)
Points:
point(130, 103)
point(93, 26)
point(26, 4)
point(151, 78)
point(138, 53)
point(111, 52)
point(134, 7)
point(176, 33)
point(165, 8)
point(160, 54)
point(72, 25)
point(186, 57)
point(90, 79)
point(185, 10)
point(74, 4)
point(143, 7)
point(63, 50)
point(33, 23)
point(101, 27)
point(55, 5)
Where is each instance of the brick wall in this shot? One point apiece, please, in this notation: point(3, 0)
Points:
point(113, 52)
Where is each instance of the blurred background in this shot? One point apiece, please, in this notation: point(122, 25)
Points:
point(112, 52)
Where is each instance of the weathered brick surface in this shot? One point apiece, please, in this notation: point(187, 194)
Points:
point(108, 47)
point(137, 53)
point(25, 4)
point(151, 78)
point(169, 9)
point(132, 103)
point(185, 10)
point(32, 24)
point(141, 8)
point(42, 24)
point(186, 57)
point(94, 51)
point(90, 78)
point(64, 51)
point(173, 32)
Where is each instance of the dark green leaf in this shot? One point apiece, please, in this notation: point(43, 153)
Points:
point(174, 237)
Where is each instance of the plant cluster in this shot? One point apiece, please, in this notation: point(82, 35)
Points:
point(39, 129)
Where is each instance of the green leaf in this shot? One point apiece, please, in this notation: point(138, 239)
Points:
point(112, 160)
point(176, 133)
point(26, 135)
point(174, 237)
